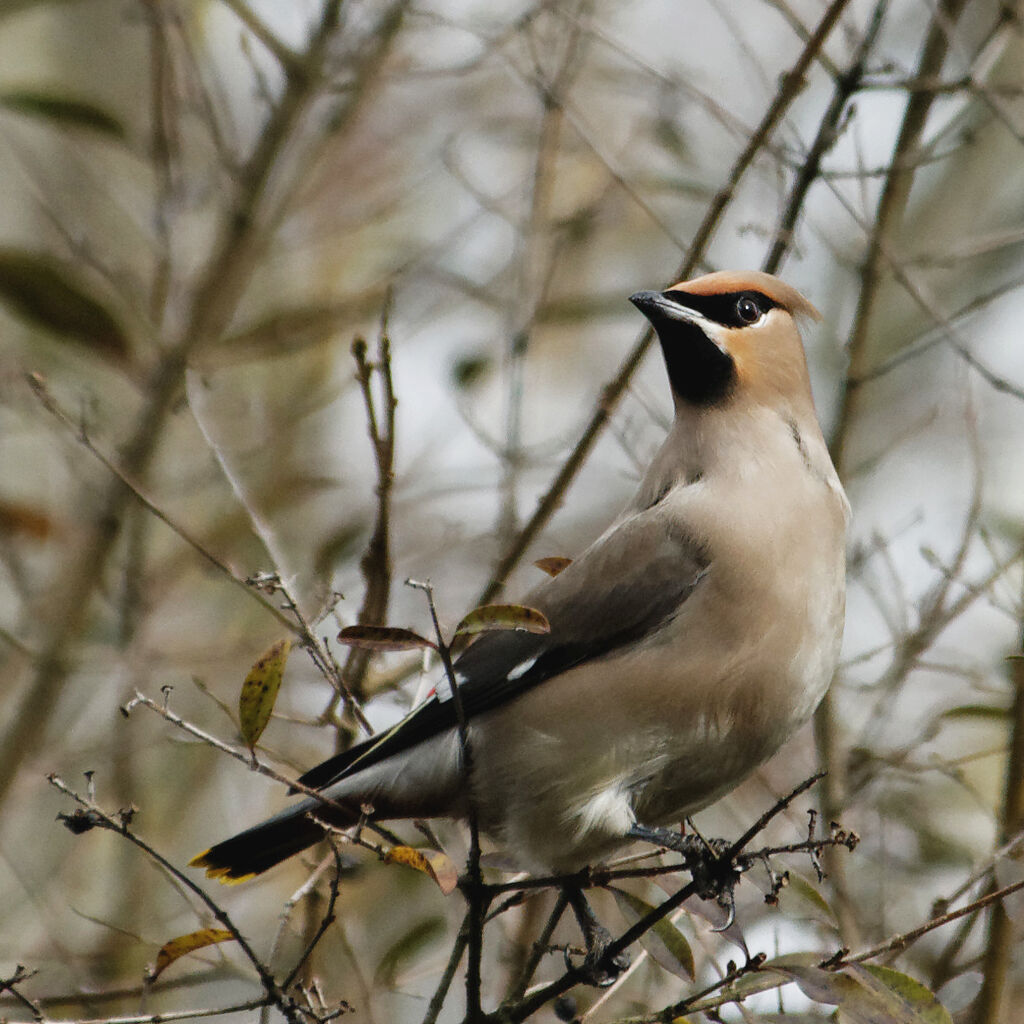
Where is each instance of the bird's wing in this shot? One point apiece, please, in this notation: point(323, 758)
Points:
point(620, 591)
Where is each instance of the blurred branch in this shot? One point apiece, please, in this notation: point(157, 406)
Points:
point(846, 85)
point(241, 241)
point(888, 217)
point(790, 86)
point(78, 431)
point(535, 270)
point(291, 62)
point(1000, 944)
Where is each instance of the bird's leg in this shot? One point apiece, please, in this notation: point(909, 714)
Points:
point(595, 969)
point(714, 875)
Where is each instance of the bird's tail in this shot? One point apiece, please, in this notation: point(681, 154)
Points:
point(262, 846)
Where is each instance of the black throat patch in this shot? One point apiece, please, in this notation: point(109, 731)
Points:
point(699, 371)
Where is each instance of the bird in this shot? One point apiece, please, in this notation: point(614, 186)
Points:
point(686, 645)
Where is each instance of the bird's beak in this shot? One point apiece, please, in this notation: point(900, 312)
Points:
point(660, 307)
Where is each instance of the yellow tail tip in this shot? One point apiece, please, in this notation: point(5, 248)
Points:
point(219, 871)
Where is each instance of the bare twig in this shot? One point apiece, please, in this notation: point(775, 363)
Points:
point(473, 887)
point(448, 974)
point(94, 816)
point(325, 922)
point(11, 985)
point(168, 1015)
point(376, 561)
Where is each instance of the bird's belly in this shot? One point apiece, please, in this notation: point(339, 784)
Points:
point(566, 779)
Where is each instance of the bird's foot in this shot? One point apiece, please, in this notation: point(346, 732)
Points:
point(714, 874)
point(597, 968)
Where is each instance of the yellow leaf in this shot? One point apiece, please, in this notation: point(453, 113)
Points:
point(503, 616)
point(438, 866)
point(259, 691)
point(183, 944)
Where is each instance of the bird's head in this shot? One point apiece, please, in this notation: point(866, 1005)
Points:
point(731, 336)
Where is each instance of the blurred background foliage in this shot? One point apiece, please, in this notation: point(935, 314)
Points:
point(202, 205)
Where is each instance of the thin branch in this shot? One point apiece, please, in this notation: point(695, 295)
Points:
point(94, 816)
point(541, 946)
point(375, 564)
point(11, 985)
point(476, 893)
point(167, 1015)
point(791, 85)
point(325, 922)
point(847, 84)
point(50, 404)
point(448, 975)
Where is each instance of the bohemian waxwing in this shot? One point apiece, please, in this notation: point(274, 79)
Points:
point(687, 643)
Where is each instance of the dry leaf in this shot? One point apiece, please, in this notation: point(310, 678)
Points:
point(383, 638)
point(438, 865)
point(183, 944)
point(553, 565)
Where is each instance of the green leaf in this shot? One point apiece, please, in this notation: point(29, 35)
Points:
point(503, 616)
point(62, 110)
point(49, 294)
point(800, 900)
point(665, 943)
point(259, 692)
point(871, 995)
point(383, 638)
point(916, 997)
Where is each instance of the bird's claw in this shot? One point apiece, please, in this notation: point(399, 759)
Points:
point(715, 875)
point(597, 968)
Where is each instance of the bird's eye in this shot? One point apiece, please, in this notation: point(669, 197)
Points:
point(748, 310)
